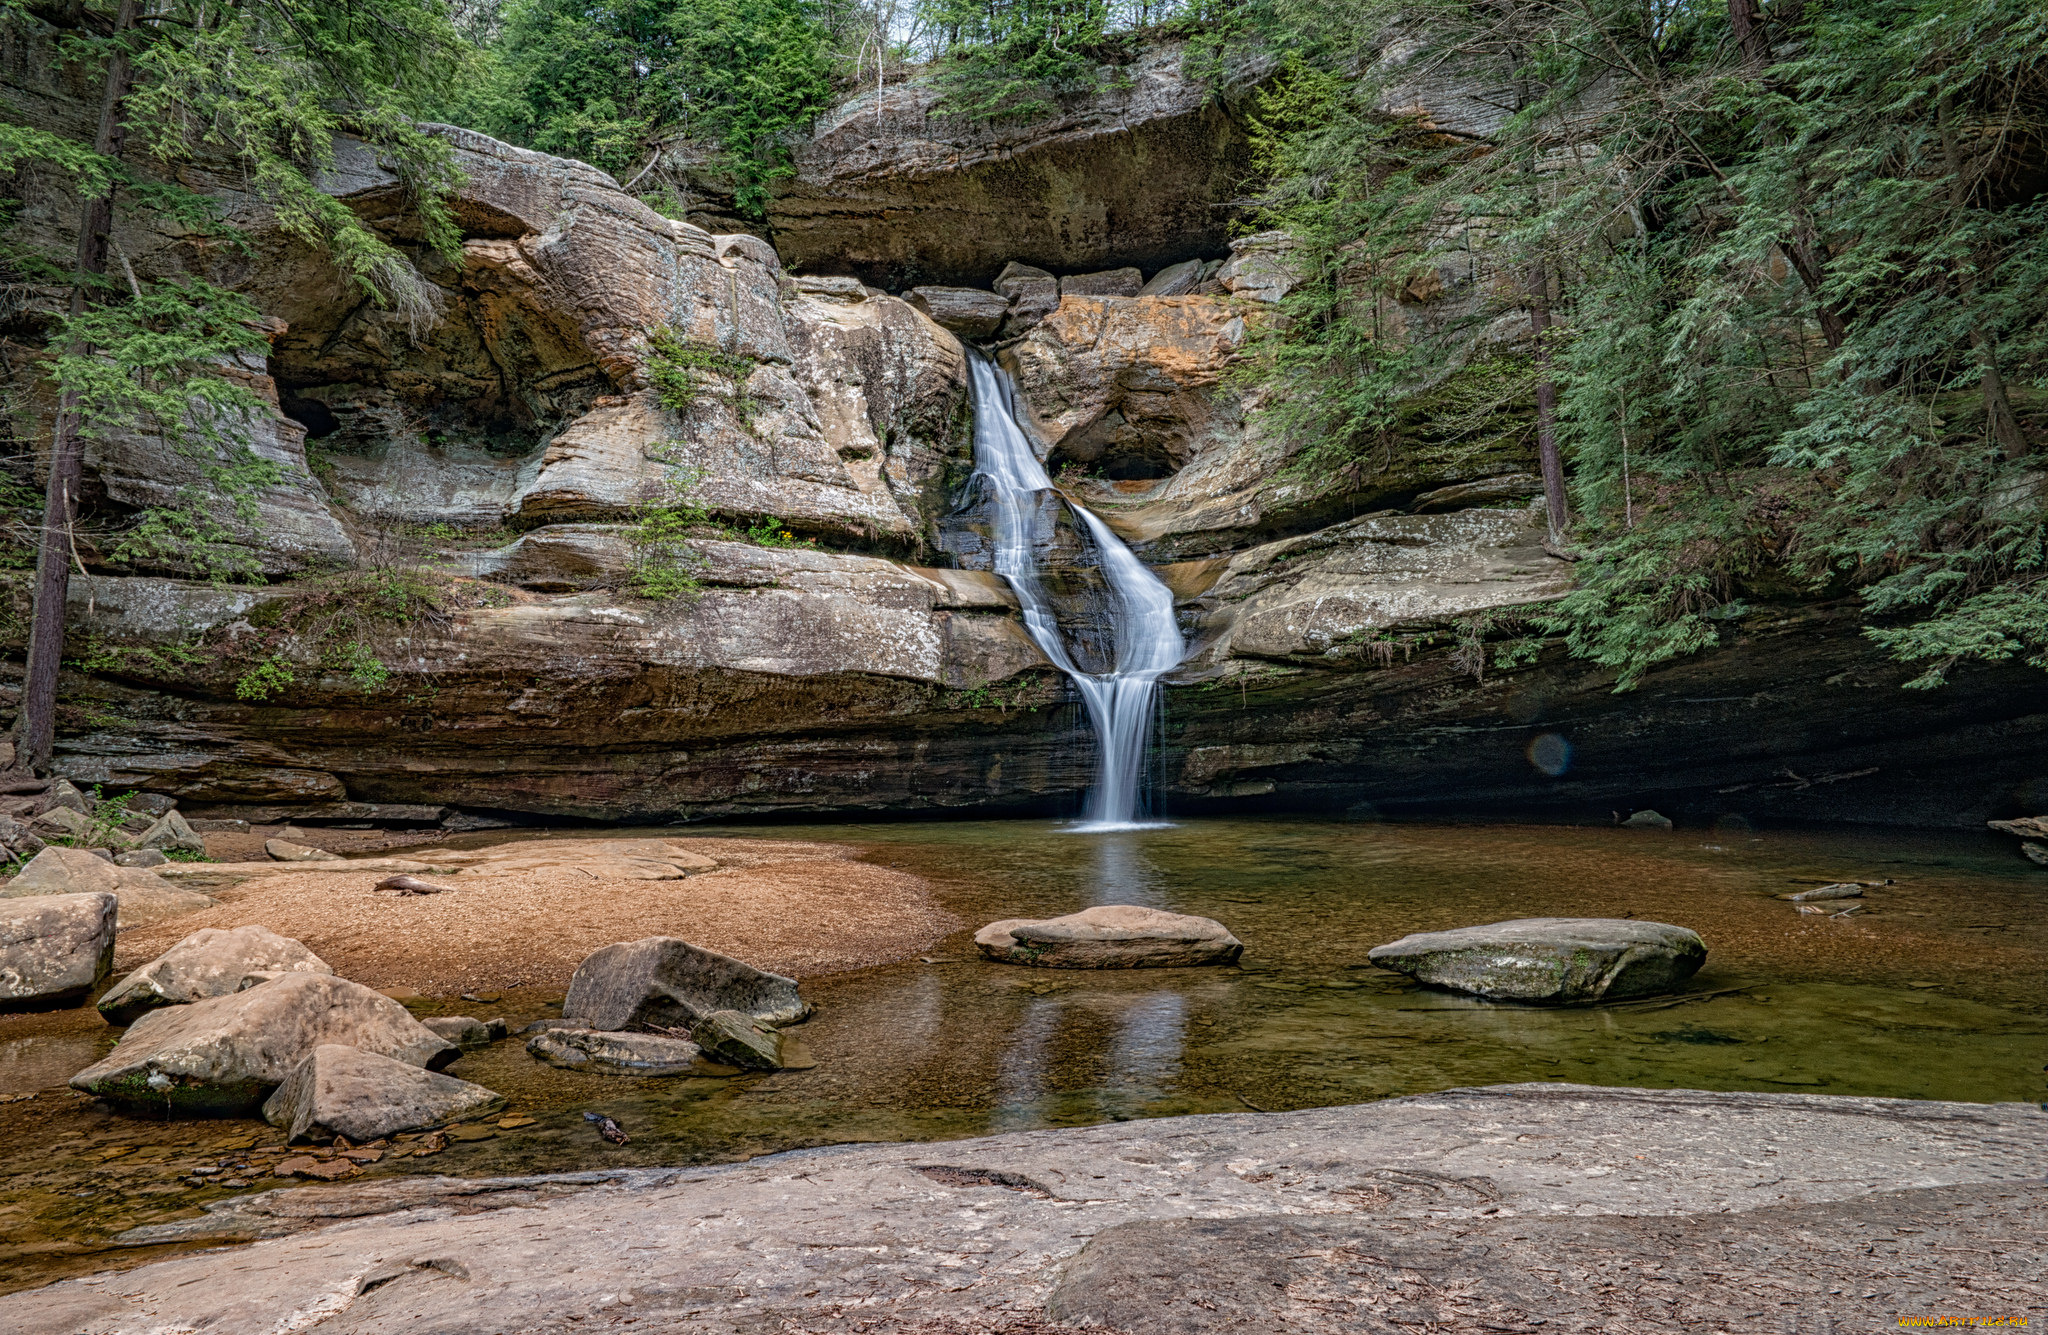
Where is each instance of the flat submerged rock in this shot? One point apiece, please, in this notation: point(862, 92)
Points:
point(1453, 1198)
point(1110, 936)
point(1554, 960)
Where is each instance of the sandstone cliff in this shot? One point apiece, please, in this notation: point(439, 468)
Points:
point(481, 472)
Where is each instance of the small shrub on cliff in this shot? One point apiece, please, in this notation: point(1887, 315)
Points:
point(664, 564)
point(335, 625)
point(270, 677)
point(770, 533)
point(681, 369)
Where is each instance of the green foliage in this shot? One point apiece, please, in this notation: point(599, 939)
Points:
point(1013, 59)
point(681, 369)
point(363, 667)
point(335, 624)
point(152, 364)
point(106, 816)
point(265, 90)
point(985, 695)
point(770, 533)
point(1801, 290)
point(269, 677)
point(665, 565)
point(274, 83)
point(605, 82)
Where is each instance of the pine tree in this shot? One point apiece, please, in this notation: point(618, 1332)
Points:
point(263, 86)
point(1798, 270)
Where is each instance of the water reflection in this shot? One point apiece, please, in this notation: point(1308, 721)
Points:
point(1123, 874)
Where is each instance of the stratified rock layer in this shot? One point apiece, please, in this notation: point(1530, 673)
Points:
point(1553, 960)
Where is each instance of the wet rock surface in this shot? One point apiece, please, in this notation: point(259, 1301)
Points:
point(1550, 960)
point(665, 981)
point(466, 1031)
point(229, 1053)
point(54, 948)
point(337, 1090)
point(738, 1039)
point(612, 1053)
point(1610, 1208)
point(1115, 936)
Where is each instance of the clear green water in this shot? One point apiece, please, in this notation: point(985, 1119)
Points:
point(1935, 989)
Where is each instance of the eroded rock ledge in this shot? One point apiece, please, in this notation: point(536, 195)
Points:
point(1476, 1209)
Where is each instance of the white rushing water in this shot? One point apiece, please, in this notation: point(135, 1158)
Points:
point(1147, 637)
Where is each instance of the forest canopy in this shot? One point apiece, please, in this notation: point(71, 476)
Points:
point(1786, 274)
point(1781, 269)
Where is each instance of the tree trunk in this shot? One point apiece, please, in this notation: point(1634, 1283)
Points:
point(1999, 418)
point(1747, 19)
point(36, 729)
point(1804, 252)
point(1546, 406)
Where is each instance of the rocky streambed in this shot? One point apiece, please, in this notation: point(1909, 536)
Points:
point(1928, 991)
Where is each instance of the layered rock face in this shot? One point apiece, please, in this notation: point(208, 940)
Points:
point(849, 656)
point(891, 190)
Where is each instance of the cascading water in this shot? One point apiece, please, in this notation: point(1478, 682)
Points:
point(1147, 640)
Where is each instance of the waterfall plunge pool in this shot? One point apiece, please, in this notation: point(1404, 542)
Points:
point(1933, 990)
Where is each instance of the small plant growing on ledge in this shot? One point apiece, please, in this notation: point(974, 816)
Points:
point(770, 533)
point(664, 564)
point(680, 368)
point(269, 677)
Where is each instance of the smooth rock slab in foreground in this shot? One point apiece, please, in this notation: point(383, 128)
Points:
point(977, 1235)
point(1550, 959)
point(621, 1054)
point(344, 1091)
point(669, 983)
point(54, 948)
point(1110, 936)
point(209, 963)
point(226, 1054)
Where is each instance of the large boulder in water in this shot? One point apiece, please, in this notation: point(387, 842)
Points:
point(660, 980)
point(1550, 959)
point(1110, 936)
point(342, 1091)
point(54, 948)
point(209, 963)
point(226, 1054)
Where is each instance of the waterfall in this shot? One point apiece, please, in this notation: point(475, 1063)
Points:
point(1147, 637)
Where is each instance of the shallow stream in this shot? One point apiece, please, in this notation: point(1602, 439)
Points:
point(1933, 989)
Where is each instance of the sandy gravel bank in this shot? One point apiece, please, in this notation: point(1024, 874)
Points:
point(792, 907)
